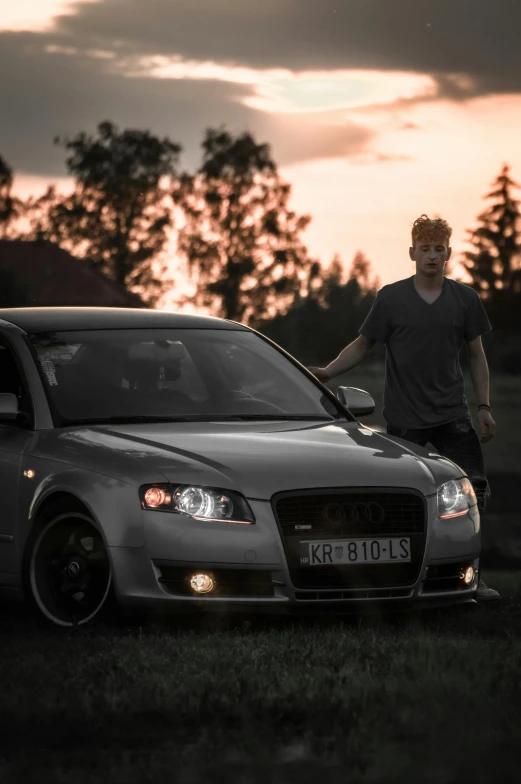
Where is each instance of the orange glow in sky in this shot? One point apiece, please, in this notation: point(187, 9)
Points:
point(35, 15)
point(444, 164)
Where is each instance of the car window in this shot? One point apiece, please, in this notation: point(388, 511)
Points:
point(191, 373)
point(250, 374)
point(254, 377)
point(11, 381)
point(176, 370)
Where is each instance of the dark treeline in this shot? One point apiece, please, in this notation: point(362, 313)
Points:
point(238, 240)
point(318, 326)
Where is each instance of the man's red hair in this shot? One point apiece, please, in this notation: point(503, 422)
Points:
point(430, 230)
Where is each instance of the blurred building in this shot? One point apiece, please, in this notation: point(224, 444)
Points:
point(42, 273)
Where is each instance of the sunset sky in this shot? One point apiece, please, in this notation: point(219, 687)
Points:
point(376, 110)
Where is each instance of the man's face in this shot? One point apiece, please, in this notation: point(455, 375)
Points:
point(430, 255)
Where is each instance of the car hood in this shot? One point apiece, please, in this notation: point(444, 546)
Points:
point(258, 459)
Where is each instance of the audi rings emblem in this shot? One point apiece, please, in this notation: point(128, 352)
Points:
point(354, 512)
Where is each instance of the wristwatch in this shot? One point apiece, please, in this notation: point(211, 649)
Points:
point(483, 405)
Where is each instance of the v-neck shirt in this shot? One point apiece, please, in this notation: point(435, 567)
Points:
point(439, 294)
point(424, 384)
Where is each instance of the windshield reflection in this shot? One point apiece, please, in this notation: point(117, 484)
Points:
point(161, 375)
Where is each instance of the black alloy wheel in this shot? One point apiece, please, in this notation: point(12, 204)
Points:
point(69, 571)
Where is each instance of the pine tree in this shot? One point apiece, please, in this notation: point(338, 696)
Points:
point(495, 262)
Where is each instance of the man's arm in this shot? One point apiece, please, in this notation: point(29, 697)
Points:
point(480, 381)
point(479, 370)
point(350, 356)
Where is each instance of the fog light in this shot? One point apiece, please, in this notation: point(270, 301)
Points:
point(467, 575)
point(202, 583)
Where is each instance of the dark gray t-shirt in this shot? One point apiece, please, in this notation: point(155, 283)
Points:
point(424, 384)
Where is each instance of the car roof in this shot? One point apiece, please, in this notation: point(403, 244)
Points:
point(57, 319)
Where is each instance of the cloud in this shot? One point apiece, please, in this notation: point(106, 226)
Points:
point(300, 137)
point(475, 39)
point(59, 90)
point(91, 65)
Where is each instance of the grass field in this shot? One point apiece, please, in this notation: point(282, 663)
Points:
point(432, 699)
point(501, 454)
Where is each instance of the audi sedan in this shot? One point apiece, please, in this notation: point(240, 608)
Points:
point(185, 463)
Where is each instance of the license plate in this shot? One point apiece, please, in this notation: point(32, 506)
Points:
point(355, 551)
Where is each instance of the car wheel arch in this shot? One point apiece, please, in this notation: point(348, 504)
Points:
point(56, 503)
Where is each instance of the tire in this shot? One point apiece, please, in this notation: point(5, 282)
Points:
point(67, 572)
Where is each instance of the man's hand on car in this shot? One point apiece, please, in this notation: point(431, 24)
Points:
point(320, 373)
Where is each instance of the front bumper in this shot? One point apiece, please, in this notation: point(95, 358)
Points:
point(154, 576)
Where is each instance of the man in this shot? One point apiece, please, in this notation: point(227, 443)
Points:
point(423, 320)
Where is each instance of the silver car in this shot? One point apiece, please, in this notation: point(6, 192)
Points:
point(180, 462)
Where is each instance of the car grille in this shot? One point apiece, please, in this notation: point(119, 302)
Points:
point(378, 593)
point(336, 515)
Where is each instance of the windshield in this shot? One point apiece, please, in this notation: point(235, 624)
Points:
point(168, 374)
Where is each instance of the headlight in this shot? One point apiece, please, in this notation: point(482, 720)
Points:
point(200, 503)
point(455, 498)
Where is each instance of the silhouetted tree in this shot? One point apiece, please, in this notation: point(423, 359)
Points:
point(8, 205)
point(316, 328)
point(495, 262)
point(240, 239)
point(338, 293)
point(119, 213)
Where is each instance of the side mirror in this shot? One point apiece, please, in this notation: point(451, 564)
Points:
point(8, 406)
point(359, 403)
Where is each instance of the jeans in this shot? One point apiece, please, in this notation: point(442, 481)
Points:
point(458, 441)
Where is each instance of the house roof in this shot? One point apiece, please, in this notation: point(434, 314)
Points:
point(65, 319)
point(55, 277)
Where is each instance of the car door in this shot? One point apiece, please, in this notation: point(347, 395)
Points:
point(14, 437)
